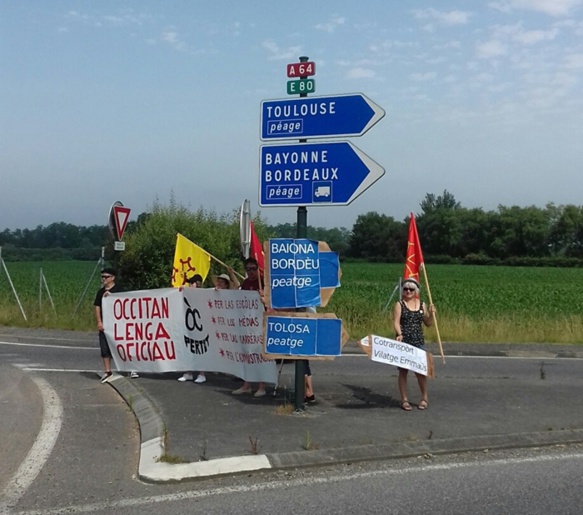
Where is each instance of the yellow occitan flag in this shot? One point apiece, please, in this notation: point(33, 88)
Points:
point(189, 259)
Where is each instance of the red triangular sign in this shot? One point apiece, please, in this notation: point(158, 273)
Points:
point(121, 216)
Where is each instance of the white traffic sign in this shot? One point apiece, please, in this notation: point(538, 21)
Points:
point(118, 219)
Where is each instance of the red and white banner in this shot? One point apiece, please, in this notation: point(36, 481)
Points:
point(190, 329)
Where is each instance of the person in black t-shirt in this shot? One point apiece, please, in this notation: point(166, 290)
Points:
point(109, 286)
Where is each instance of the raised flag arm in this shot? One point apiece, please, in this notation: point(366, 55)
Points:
point(225, 265)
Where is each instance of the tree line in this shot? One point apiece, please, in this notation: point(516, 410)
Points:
point(65, 241)
point(57, 241)
point(449, 233)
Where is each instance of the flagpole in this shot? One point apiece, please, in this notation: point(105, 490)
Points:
point(220, 262)
point(259, 282)
point(434, 314)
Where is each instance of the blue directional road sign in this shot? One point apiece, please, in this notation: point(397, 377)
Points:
point(305, 337)
point(318, 117)
point(294, 273)
point(331, 173)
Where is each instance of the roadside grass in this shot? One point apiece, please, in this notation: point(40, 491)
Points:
point(308, 444)
point(172, 459)
point(254, 445)
point(286, 408)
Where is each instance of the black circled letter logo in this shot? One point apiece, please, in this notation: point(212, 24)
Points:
point(192, 318)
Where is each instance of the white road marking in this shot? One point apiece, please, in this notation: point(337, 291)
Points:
point(117, 506)
point(92, 348)
point(74, 370)
point(537, 358)
point(40, 450)
point(50, 346)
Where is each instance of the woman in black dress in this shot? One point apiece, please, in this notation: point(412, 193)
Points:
point(408, 316)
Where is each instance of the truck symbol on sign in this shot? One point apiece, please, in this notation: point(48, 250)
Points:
point(322, 191)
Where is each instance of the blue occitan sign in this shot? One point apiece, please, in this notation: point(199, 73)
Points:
point(294, 273)
point(305, 337)
point(329, 270)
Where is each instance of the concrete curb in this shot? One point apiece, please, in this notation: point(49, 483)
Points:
point(433, 447)
point(152, 446)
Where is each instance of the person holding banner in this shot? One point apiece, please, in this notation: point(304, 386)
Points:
point(109, 286)
point(309, 397)
point(253, 282)
point(193, 282)
point(409, 315)
point(226, 281)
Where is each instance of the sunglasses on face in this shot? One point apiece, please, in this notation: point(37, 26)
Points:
point(251, 269)
point(106, 276)
point(409, 289)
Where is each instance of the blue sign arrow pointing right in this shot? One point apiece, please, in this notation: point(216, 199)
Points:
point(331, 173)
point(318, 117)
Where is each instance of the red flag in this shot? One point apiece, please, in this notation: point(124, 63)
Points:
point(414, 259)
point(256, 250)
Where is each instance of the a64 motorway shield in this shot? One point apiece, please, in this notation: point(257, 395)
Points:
point(331, 173)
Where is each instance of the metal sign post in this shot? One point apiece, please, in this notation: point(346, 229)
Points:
point(321, 174)
point(245, 228)
point(302, 232)
point(12, 286)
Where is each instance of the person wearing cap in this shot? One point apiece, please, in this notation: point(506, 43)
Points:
point(409, 315)
point(109, 286)
point(194, 281)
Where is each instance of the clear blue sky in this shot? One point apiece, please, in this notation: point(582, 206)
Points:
point(137, 100)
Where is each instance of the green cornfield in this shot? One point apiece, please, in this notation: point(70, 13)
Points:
point(64, 280)
point(474, 303)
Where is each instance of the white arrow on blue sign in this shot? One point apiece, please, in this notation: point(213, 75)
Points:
point(318, 117)
point(306, 337)
point(319, 174)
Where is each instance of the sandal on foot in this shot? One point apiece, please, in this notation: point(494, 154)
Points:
point(406, 406)
point(423, 405)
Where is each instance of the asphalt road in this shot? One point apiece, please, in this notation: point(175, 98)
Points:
point(92, 460)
